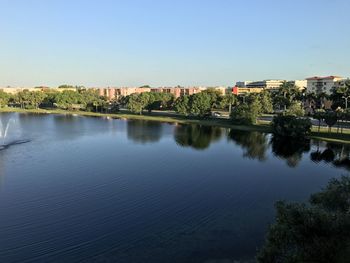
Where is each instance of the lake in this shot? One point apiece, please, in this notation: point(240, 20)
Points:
point(89, 189)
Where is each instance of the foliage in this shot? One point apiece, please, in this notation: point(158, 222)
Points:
point(291, 126)
point(338, 95)
point(319, 115)
point(4, 99)
point(182, 105)
point(200, 104)
point(319, 232)
point(295, 109)
point(214, 97)
point(330, 119)
point(29, 99)
point(286, 94)
point(226, 102)
point(136, 103)
point(247, 113)
point(266, 102)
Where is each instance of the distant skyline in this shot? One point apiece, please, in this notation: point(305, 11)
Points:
point(168, 43)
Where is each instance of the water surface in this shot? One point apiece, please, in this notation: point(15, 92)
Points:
point(102, 190)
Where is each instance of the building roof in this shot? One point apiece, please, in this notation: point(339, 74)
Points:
point(327, 77)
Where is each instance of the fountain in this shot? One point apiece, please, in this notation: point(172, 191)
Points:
point(4, 127)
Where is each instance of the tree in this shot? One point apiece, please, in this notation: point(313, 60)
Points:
point(314, 232)
point(286, 94)
point(227, 101)
point(247, 113)
point(36, 98)
point(291, 126)
point(319, 115)
point(4, 99)
point(69, 99)
point(200, 104)
point(266, 102)
point(214, 95)
point(136, 103)
point(66, 86)
point(330, 119)
point(182, 105)
point(295, 109)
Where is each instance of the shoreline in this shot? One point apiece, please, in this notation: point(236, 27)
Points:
point(261, 126)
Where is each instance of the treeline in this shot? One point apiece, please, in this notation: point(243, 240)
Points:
point(82, 99)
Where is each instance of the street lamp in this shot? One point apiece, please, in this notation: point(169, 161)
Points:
point(346, 101)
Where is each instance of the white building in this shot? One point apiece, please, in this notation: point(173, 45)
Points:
point(269, 84)
point(300, 84)
point(322, 84)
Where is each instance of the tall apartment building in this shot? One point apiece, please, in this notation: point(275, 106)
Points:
point(323, 84)
point(115, 93)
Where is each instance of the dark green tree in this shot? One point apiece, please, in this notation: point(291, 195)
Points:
point(314, 232)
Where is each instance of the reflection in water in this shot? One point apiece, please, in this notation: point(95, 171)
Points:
point(196, 136)
point(80, 193)
point(255, 144)
point(290, 150)
point(141, 131)
point(337, 154)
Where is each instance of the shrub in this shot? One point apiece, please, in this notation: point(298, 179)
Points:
point(295, 109)
point(247, 113)
point(243, 114)
point(291, 126)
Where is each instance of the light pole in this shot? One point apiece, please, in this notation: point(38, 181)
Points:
point(346, 101)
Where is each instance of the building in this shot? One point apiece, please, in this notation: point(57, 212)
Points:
point(237, 90)
point(246, 87)
point(116, 93)
point(323, 84)
point(300, 84)
point(340, 83)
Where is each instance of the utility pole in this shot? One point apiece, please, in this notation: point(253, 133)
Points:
point(346, 101)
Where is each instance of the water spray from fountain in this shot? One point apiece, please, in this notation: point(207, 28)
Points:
point(5, 124)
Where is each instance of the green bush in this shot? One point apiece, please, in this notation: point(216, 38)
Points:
point(295, 109)
point(243, 114)
point(247, 113)
point(291, 126)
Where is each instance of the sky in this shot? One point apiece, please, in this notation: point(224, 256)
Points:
point(171, 42)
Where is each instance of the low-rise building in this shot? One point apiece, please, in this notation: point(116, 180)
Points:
point(323, 84)
point(300, 84)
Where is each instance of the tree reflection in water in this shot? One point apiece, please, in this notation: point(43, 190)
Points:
point(337, 154)
point(254, 144)
point(290, 150)
point(198, 137)
point(141, 131)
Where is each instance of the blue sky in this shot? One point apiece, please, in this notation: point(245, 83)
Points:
point(170, 42)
